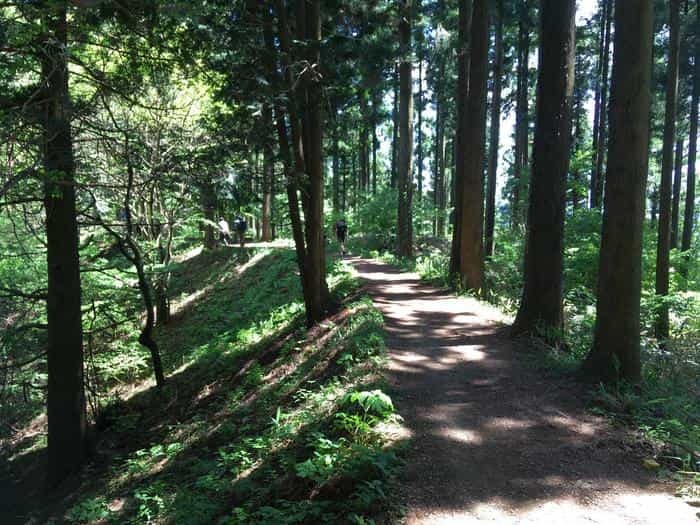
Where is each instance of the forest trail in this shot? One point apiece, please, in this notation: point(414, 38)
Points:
point(492, 441)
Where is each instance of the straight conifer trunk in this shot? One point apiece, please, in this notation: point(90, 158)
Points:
point(692, 148)
point(471, 268)
point(405, 180)
point(615, 347)
point(676, 200)
point(268, 176)
point(395, 130)
point(663, 246)
point(600, 118)
point(541, 304)
point(66, 396)
point(465, 20)
point(521, 115)
point(495, 130)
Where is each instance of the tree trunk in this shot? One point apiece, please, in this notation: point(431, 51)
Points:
point(335, 183)
point(419, 130)
point(677, 176)
point(615, 350)
point(600, 114)
point(314, 168)
point(268, 176)
point(692, 149)
point(439, 189)
point(66, 396)
point(465, 21)
point(405, 180)
point(471, 269)
point(494, 131)
point(520, 166)
point(375, 140)
point(146, 335)
point(661, 325)
point(209, 204)
point(395, 130)
point(541, 304)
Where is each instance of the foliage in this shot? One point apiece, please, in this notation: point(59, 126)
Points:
point(262, 421)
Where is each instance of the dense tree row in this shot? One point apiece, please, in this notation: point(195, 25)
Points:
point(137, 120)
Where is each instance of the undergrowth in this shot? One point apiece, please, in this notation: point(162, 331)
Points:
point(261, 422)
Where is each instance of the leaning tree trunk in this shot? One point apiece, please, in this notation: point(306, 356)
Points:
point(471, 268)
point(494, 131)
point(405, 180)
point(661, 325)
point(615, 350)
point(541, 303)
point(65, 396)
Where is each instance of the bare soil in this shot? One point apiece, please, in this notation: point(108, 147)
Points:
point(492, 440)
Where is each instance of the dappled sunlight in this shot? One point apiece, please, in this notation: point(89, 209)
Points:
point(492, 440)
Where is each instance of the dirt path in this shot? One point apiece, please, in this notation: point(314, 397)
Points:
point(491, 440)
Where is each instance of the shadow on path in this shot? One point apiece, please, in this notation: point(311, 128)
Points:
point(493, 440)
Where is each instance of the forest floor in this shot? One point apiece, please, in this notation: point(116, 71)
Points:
point(492, 440)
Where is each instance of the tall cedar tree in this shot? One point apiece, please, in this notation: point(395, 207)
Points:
point(689, 214)
point(471, 268)
point(676, 199)
point(663, 246)
point(601, 101)
point(405, 180)
point(615, 350)
point(306, 144)
point(541, 304)
point(494, 130)
point(66, 397)
point(268, 176)
point(465, 20)
point(522, 119)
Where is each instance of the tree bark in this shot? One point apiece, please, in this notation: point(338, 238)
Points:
point(419, 130)
point(208, 198)
point(692, 149)
point(661, 325)
point(520, 165)
point(439, 190)
point(66, 396)
point(676, 199)
point(268, 176)
point(540, 311)
point(615, 352)
point(395, 130)
point(600, 113)
point(465, 21)
point(471, 269)
point(405, 180)
point(495, 130)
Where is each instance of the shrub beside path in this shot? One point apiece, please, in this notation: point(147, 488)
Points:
point(491, 439)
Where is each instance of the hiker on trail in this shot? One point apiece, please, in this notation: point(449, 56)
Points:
point(341, 231)
point(240, 225)
point(224, 232)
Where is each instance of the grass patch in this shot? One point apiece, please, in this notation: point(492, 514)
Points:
point(261, 421)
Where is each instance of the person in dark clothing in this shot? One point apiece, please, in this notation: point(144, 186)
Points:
point(240, 225)
point(341, 232)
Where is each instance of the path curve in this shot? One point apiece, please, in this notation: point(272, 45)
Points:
point(492, 441)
